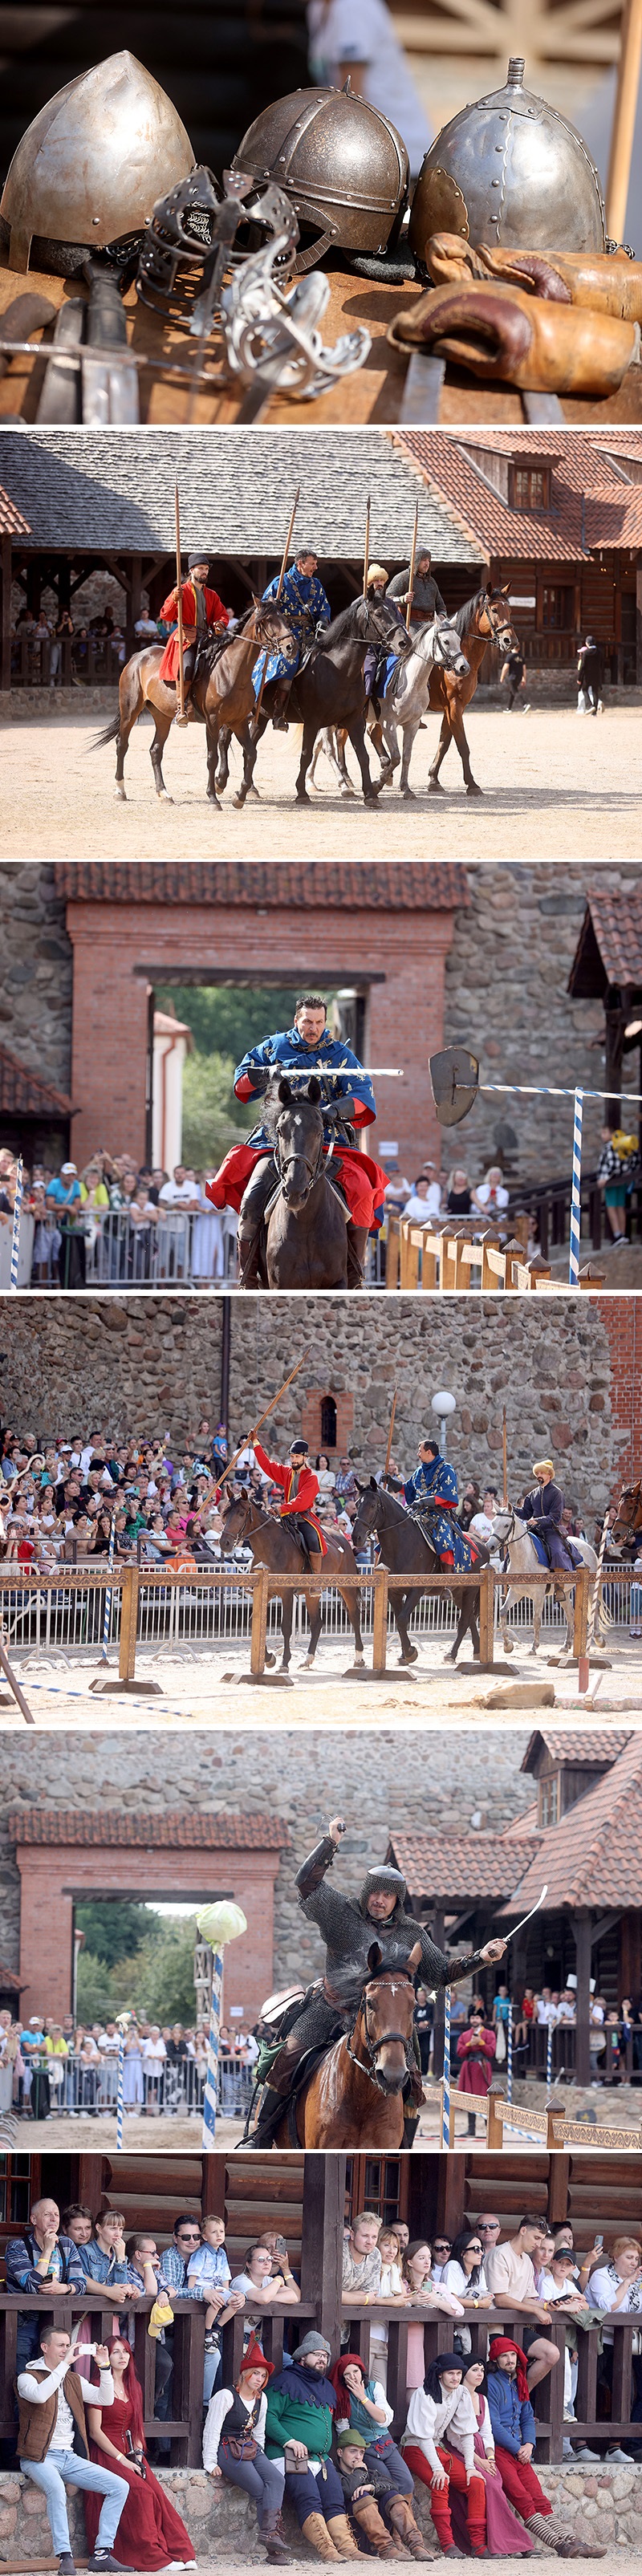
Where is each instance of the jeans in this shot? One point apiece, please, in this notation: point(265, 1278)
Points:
point(261, 2478)
point(392, 2460)
point(67, 2468)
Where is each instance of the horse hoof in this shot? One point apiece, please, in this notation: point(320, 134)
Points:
point(163, 797)
point(473, 789)
point(347, 794)
point(120, 792)
point(508, 1646)
point(213, 801)
point(435, 787)
point(302, 797)
point(256, 793)
point(408, 794)
point(238, 802)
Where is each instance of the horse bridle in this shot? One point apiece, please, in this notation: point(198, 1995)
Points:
point(374, 2045)
point(496, 623)
point(630, 1529)
point(313, 1176)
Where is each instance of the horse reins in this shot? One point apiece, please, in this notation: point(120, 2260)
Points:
point(374, 2045)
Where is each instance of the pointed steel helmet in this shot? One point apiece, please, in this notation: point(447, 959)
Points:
point(510, 172)
point(342, 165)
point(89, 169)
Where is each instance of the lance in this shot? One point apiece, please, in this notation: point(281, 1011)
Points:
point(393, 1409)
point(275, 1399)
point(279, 587)
point(181, 718)
point(300, 1072)
point(366, 550)
point(411, 575)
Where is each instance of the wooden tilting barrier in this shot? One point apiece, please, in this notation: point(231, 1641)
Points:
point(517, 2124)
point(464, 1254)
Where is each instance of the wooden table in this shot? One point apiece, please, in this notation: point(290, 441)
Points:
point(373, 395)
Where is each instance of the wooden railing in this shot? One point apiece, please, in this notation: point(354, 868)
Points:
point(455, 1253)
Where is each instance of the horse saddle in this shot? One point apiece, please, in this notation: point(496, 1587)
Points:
point(539, 1547)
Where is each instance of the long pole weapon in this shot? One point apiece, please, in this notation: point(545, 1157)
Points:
point(276, 1399)
point(411, 576)
point(277, 595)
point(366, 550)
point(181, 718)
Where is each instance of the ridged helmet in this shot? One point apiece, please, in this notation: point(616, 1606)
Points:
point(509, 171)
point(90, 168)
point(342, 165)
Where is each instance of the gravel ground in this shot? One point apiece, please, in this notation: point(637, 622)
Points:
point(564, 780)
point(198, 1687)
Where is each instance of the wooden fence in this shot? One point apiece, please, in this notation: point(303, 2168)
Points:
point(553, 31)
point(461, 1253)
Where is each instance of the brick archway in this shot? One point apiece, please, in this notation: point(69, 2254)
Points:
point(383, 929)
point(65, 1856)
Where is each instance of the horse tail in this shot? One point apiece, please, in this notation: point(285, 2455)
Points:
point(109, 734)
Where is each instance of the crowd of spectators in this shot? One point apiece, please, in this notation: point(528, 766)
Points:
point(66, 2070)
point(117, 1221)
point(58, 648)
point(319, 2429)
point(435, 1194)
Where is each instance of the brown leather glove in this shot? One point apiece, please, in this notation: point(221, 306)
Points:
point(607, 283)
point(508, 337)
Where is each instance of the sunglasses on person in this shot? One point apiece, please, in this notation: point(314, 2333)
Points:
point(441, 2245)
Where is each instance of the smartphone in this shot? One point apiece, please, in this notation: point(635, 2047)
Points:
point(598, 2242)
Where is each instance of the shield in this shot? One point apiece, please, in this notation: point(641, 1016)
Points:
point(454, 1076)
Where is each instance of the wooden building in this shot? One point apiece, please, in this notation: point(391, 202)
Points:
point(607, 967)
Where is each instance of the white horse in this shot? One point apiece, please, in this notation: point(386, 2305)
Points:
point(523, 1561)
point(403, 705)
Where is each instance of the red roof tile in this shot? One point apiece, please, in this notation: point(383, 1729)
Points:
point(8, 1979)
point(12, 523)
point(593, 1857)
point(455, 1868)
point(22, 1094)
point(613, 920)
point(592, 507)
point(575, 1744)
point(180, 1830)
point(364, 885)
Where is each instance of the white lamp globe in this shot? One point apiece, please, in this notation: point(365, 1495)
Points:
point(443, 1404)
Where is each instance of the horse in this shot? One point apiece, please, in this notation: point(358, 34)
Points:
point(483, 621)
point(523, 1561)
point(273, 1544)
point(405, 1550)
point(222, 694)
point(327, 690)
point(304, 1232)
point(404, 704)
point(355, 2097)
point(626, 1527)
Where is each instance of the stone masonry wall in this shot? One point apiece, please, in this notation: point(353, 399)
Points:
point(424, 1784)
point(148, 1365)
point(603, 2507)
point(35, 994)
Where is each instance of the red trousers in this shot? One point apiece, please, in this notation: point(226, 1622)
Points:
point(439, 2502)
point(521, 2485)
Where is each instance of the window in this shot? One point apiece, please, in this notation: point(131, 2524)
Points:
point(549, 1800)
point(557, 607)
point(15, 2195)
point(378, 2183)
point(531, 487)
point(328, 1422)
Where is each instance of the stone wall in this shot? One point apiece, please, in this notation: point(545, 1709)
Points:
point(426, 1784)
point(603, 2507)
point(35, 999)
point(149, 1364)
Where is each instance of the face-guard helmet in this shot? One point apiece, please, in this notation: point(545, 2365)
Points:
point(342, 165)
point(185, 228)
point(88, 171)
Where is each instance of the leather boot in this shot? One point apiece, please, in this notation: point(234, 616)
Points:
point(608, 283)
point(410, 2127)
point(339, 2529)
point(504, 336)
point(248, 1260)
point(401, 2515)
point(316, 2532)
point(272, 2533)
point(574, 2545)
point(279, 710)
point(357, 1247)
point(369, 2519)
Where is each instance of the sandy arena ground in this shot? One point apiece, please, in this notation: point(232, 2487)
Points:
point(554, 786)
point(200, 1688)
point(621, 2107)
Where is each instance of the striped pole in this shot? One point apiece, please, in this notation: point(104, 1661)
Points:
point(15, 1232)
point(549, 2057)
point(576, 1186)
point(445, 2081)
point(211, 2080)
point(121, 2025)
point(509, 2053)
point(108, 1594)
point(583, 1673)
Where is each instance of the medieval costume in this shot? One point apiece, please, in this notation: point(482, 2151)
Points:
point(328, 2009)
point(427, 602)
point(247, 1177)
point(475, 2050)
point(303, 602)
point(432, 1496)
point(300, 2408)
point(299, 1487)
point(543, 1509)
point(234, 2442)
point(203, 615)
point(433, 2411)
point(382, 662)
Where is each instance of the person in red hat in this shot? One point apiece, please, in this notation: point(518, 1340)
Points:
point(203, 614)
point(234, 2448)
point(514, 2434)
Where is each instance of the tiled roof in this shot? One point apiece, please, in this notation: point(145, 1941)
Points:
point(593, 1857)
point(419, 886)
point(181, 1830)
point(591, 507)
point(22, 1094)
point(455, 1868)
point(93, 489)
point(12, 523)
point(568, 1744)
point(612, 927)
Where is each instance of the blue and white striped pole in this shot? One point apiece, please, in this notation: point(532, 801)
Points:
point(549, 2057)
point(15, 1231)
point(445, 2081)
point(576, 1188)
point(108, 1594)
point(217, 1924)
point(509, 2053)
point(122, 2024)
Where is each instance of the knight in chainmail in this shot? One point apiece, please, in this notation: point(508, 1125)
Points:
point(348, 1925)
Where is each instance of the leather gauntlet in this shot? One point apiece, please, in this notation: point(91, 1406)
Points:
point(605, 283)
point(505, 336)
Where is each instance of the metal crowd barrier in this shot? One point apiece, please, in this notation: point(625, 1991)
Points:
point(109, 1248)
point(72, 2090)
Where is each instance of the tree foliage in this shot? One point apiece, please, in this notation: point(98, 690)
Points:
point(155, 1977)
point(225, 1019)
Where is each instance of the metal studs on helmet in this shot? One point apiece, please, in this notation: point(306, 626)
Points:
point(342, 165)
point(510, 172)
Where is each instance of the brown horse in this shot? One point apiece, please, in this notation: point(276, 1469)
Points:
point(222, 694)
point(355, 2098)
point(276, 1546)
point(626, 1527)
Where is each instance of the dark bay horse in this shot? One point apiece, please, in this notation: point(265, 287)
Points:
point(626, 1527)
point(275, 1546)
point(355, 2098)
point(304, 1235)
point(328, 690)
point(405, 1551)
point(222, 694)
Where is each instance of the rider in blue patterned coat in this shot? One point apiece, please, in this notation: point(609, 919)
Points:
point(304, 604)
point(432, 1494)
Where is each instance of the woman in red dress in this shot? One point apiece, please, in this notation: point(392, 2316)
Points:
point(475, 2050)
point(151, 2535)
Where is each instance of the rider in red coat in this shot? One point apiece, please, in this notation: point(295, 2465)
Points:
point(203, 614)
point(299, 1486)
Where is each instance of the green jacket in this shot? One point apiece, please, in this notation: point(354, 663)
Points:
point(290, 2419)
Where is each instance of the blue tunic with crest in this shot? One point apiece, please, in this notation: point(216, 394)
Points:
point(304, 603)
point(425, 1492)
point(286, 1048)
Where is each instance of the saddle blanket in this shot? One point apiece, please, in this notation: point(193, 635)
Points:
point(362, 1179)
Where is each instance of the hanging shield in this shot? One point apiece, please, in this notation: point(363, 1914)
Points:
point(454, 1076)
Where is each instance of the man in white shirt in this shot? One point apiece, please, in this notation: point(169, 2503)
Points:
point(424, 1202)
point(482, 1522)
point(53, 2448)
point(509, 2271)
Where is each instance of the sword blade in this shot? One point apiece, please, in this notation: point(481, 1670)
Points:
point(527, 1918)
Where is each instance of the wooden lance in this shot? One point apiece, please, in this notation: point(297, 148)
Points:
point(279, 587)
point(276, 1399)
point(411, 575)
point(393, 1410)
point(366, 550)
point(181, 718)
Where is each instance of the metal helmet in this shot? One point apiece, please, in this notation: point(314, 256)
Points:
point(89, 169)
point(342, 165)
point(509, 171)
